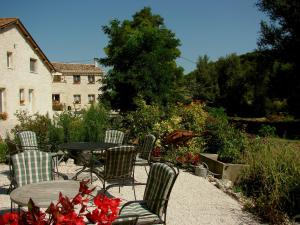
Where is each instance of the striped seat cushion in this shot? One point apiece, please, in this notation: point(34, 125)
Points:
point(159, 184)
point(32, 167)
point(126, 220)
point(28, 140)
point(114, 136)
point(141, 209)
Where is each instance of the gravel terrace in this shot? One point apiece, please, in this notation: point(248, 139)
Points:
point(194, 200)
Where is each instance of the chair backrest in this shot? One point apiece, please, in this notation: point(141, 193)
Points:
point(114, 136)
point(28, 140)
point(119, 162)
point(31, 167)
point(147, 146)
point(159, 185)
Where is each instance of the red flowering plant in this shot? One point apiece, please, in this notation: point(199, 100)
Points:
point(67, 211)
point(188, 160)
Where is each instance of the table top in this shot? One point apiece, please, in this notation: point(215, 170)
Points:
point(43, 193)
point(86, 146)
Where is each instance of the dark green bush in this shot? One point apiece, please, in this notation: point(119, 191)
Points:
point(272, 179)
point(267, 131)
point(222, 138)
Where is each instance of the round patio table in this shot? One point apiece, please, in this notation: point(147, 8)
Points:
point(43, 193)
point(82, 152)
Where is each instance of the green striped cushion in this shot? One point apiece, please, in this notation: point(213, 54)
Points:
point(32, 167)
point(126, 220)
point(140, 208)
point(28, 140)
point(114, 136)
point(19, 169)
point(147, 146)
point(159, 182)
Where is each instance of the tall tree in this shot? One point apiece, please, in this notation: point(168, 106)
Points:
point(141, 53)
point(282, 36)
point(203, 81)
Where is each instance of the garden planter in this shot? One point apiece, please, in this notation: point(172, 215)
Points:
point(222, 170)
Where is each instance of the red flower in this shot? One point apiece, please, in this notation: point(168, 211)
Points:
point(9, 218)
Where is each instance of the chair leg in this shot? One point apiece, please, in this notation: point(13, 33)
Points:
point(146, 170)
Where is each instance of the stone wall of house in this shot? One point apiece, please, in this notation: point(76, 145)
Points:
point(67, 89)
point(19, 76)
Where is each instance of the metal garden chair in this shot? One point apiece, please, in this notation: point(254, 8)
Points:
point(114, 136)
point(145, 149)
point(153, 208)
point(117, 168)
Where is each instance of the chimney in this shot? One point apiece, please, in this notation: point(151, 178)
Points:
point(96, 62)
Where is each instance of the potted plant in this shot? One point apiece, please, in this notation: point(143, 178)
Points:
point(3, 115)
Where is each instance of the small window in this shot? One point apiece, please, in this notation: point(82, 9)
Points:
point(77, 99)
point(56, 98)
point(76, 79)
point(91, 98)
point(2, 100)
point(91, 79)
point(33, 65)
point(57, 78)
point(9, 60)
point(22, 97)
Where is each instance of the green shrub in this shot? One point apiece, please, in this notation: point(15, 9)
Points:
point(222, 138)
point(3, 151)
point(272, 179)
point(95, 122)
point(267, 131)
point(142, 120)
point(36, 122)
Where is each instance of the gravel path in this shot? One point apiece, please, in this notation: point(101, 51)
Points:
point(194, 200)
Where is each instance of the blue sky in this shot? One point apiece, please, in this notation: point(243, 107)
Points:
point(70, 31)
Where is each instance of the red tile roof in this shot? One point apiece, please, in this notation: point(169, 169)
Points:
point(77, 68)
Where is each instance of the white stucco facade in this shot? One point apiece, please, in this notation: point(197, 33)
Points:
point(21, 88)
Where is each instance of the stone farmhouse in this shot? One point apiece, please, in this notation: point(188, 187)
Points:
point(30, 82)
point(75, 85)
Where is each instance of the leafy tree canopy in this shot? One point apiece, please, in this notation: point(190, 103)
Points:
point(282, 37)
point(141, 53)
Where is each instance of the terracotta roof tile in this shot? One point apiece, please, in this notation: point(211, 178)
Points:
point(77, 68)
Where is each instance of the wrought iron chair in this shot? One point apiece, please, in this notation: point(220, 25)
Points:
point(118, 167)
point(145, 149)
point(153, 208)
point(114, 136)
